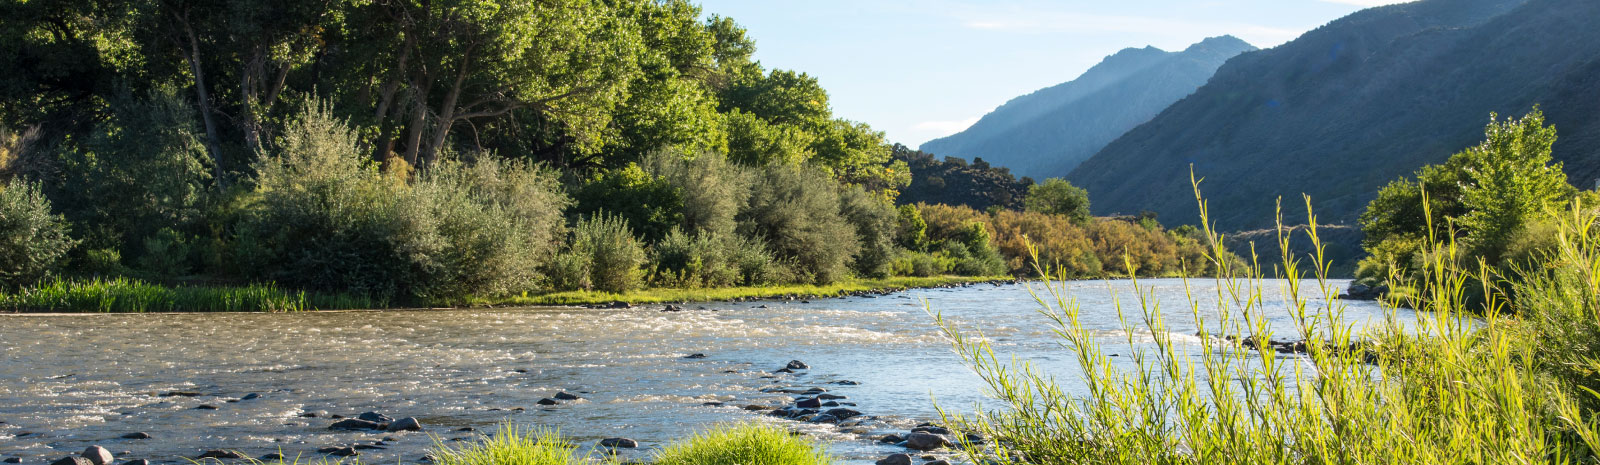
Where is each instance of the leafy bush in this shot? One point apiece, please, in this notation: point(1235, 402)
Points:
point(922, 264)
point(711, 189)
point(603, 255)
point(974, 253)
point(651, 205)
point(796, 210)
point(747, 444)
point(701, 260)
point(324, 217)
point(1056, 196)
point(32, 240)
point(875, 221)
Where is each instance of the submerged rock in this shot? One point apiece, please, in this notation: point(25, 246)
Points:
point(809, 402)
point(138, 435)
point(220, 454)
point(891, 439)
point(72, 461)
point(619, 443)
point(563, 395)
point(406, 424)
point(375, 417)
point(98, 455)
point(271, 457)
point(250, 396)
point(797, 365)
point(547, 401)
point(695, 356)
point(137, 462)
point(926, 441)
point(11, 460)
point(843, 413)
point(354, 424)
point(345, 452)
point(895, 459)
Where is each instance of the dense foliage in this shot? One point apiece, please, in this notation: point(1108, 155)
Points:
point(1099, 247)
point(1488, 199)
point(1056, 196)
point(954, 181)
point(32, 240)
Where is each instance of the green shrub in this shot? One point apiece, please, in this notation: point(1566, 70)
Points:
point(796, 211)
point(512, 445)
point(711, 189)
point(324, 217)
point(747, 444)
point(603, 255)
point(166, 254)
point(32, 240)
point(1056, 196)
point(875, 221)
point(922, 264)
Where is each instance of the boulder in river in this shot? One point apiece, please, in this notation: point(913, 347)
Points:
point(843, 413)
point(926, 441)
point(344, 452)
point(98, 455)
point(695, 356)
point(72, 461)
point(12, 460)
point(809, 402)
point(937, 462)
point(406, 424)
point(273, 457)
point(354, 424)
point(931, 429)
point(895, 459)
point(250, 396)
point(137, 462)
point(564, 395)
point(797, 365)
point(138, 435)
point(205, 407)
point(619, 443)
point(891, 439)
point(220, 454)
point(375, 417)
point(547, 401)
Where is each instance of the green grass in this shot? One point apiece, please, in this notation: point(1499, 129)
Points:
point(1452, 389)
point(663, 295)
point(513, 445)
point(123, 295)
point(744, 444)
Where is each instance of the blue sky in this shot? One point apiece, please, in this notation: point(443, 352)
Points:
point(922, 69)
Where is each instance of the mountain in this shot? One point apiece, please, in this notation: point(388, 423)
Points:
point(1350, 106)
point(1048, 132)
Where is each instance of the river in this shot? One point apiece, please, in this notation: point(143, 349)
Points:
point(70, 381)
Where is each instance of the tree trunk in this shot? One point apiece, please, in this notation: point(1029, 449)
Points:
point(205, 105)
point(447, 111)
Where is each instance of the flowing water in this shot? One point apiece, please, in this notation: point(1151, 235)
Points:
point(70, 381)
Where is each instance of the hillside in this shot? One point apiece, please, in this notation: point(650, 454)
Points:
point(1048, 132)
point(954, 181)
point(1357, 103)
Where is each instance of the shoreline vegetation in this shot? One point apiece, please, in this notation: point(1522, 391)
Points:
point(123, 295)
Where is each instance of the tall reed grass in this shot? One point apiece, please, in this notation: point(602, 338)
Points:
point(1449, 388)
point(123, 295)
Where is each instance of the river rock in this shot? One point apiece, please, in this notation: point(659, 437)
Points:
point(931, 429)
point(823, 418)
point(830, 397)
point(846, 382)
point(72, 461)
point(406, 424)
point(98, 455)
point(250, 396)
point(619, 443)
point(896, 459)
point(937, 462)
point(180, 394)
point(354, 424)
point(809, 402)
point(926, 441)
point(344, 452)
point(205, 407)
point(547, 401)
point(695, 356)
point(891, 439)
point(797, 365)
point(273, 457)
point(375, 417)
point(564, 395)
point(12, 460)
point(220, 454)
point(843, 413)
point(137, 462)
point(139, 435)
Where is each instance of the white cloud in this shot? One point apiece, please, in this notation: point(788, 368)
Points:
point(937, 129)
point(1366, 3)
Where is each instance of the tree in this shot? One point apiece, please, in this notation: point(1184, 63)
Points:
point(1508, 181)
point(1056, 196)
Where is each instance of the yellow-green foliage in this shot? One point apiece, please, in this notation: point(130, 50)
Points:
point(746, 444)
point(1452, 389)
point(1074, 249)
point(513, 445)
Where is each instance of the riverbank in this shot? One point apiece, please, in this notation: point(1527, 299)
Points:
point(123, 295)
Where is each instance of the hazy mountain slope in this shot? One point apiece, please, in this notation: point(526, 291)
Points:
point(1048, 132)
point(1350, 106)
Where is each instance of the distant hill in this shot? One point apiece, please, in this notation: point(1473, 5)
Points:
point(1048, 132)
point(954, 181)
point(1350, 106)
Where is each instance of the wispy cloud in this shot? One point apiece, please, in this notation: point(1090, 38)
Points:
point(937, 129)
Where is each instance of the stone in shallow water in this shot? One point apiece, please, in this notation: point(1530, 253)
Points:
point(375, 417)
point(137, 462)
point(797, 365)
point(622, 443)
point(98, 455)
point(547, 401)
point(406, 424)
point(353, 424)
point(563, 395)
point(271, 457)
point(220, 454)
point(926, 441)
point(12, 460)
point(139, 435)
point(896, 459)
point(72, 461)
